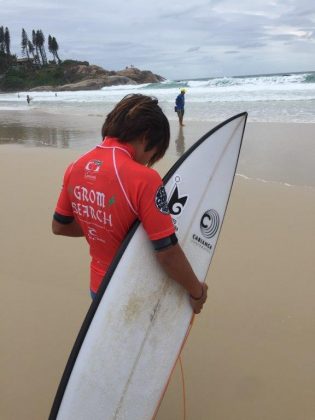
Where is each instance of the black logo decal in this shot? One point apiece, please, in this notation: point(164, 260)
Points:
point(209, 223)
point(176, 203)
point(161, 200)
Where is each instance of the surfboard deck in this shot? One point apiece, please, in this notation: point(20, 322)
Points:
point(132, 335)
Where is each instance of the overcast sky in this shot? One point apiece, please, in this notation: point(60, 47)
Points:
point(174, 38)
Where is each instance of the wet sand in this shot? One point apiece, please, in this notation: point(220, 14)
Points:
point(271, 151)
point(250, 354)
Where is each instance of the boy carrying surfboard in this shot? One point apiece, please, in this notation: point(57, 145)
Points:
point(111, 186)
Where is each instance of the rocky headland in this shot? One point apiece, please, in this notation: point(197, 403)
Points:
point(68, 75)
point(92, 77)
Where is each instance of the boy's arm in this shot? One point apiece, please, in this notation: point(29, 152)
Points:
point(72, 229)
point(176, 265)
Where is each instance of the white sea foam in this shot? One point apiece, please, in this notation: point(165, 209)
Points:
point(286, 97)
point(284, 184)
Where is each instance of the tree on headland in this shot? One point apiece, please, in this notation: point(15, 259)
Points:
point(35, 46)
point(5, 44)
point(2, 44)
point(53, 48)
point(24, 43)
point(40, 39)
point(27, 47)
point(31, 70)
point(6, 59)
point(50, 47)
point(36, 38)
point(7, 41)
point(31, 49)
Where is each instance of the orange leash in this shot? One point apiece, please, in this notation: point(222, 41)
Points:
point(183, 381)
point(183, 387)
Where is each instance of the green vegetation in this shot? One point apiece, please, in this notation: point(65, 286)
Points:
point(33, 69)
point(26, 78)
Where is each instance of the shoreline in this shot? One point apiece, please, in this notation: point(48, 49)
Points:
point(272, 152)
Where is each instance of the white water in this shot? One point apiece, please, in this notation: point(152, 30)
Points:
point(277, 98)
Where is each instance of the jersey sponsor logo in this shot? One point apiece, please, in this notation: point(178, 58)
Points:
point(90, 204)
point(93, 235)
point(93, 165)
point(92, 232)
point(161, 200)
point(89, 195)
point(88, 213)
point(92, 168)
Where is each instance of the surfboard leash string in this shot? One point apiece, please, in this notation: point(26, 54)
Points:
point(182, 370)
point(183, 386)
point(182, 374)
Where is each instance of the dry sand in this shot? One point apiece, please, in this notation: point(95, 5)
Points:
point(251, 353)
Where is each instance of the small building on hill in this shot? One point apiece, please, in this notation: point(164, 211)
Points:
point(25, 62)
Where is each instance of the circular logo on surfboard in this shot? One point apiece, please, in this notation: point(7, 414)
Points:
point(209, 223)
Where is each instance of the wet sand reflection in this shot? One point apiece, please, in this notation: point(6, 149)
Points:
point(35, 136)
point(180, 142)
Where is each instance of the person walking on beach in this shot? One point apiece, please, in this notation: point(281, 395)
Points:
point(180, 106)
point(111, 186)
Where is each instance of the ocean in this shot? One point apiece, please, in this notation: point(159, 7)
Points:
point(287, 97)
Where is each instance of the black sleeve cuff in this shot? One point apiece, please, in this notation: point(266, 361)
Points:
point(64, 220)
point(164, 243)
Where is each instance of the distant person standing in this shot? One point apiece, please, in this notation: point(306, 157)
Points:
point(28, 99)
point(180, 106)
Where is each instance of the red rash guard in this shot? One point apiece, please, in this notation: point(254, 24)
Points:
point(106, 190)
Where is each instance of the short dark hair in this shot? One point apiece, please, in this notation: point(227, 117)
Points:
point(136, 116)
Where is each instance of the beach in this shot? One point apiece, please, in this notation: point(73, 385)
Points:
point(250, 354)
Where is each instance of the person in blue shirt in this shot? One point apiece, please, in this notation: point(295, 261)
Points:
point(180, 106)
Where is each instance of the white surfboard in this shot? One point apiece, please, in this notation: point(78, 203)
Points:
point(132, 335)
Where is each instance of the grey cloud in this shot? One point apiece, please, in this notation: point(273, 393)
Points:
point(252, 44)
point(169, 38)
point(193, 49)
